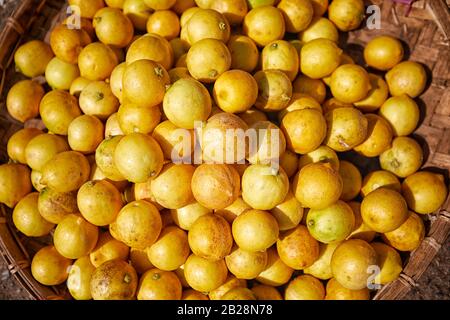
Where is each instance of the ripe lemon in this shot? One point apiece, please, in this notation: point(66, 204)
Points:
point(407, 77)
point(78, 85)
point(403, 158)
point(97, 61)
point(85, 133)
point(215, 186)
point(350, 263)
point(160, 4)
point(409, 235)
point(22, 101)
point(361, 230)
point(107, 249)
point(402, 113)
point(317, 186)
point(60, 74)
point(384, 210)
point(321, 268)
point(350, 83)
point(113, 27)
point(133, 118)
point(297, 248)
point(256, 22)
point(319, 58)
point(383, 52)
point(204, 275)
point(346, 14)
point(244, 264)
point(32, 58)
point(304, 130)
point(379, 137)
point(210, 237)
point(281, 55)
point(314, 88)
point(378, 179)
point(54, 206)
point(289, 213)
point(263, 188)
point(79, 280)
point(138, 224)
point(235, 91)
point(234, 210)
point(17, 143)
point(276, 272)
point(376, 96)
point(322, 154)
point(424, 191)
point(171, 249)
point(289, 163)
point(207, 24)
point(351, 178)
point(27, 219)
point(151, 47)
point(138, 13)
point(49, 267)
point(335, 291)
point(230, 283)
point(68, 43)
point(244, 53)
point(347, 128)
point(207, 59)
point(183, 95)
point(173, 177)
point(297, 14)
point(389, 261)
point(156, 284)
point(144, 83)
point(305, 287)
point(164, 23)
point(319, 27)
point(275, 90)
point(88, 8)
point(114, 280)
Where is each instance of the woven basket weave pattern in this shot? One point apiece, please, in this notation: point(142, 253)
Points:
point(424, 28)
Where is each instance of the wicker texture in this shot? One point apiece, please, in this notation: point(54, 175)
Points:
point(424, 27)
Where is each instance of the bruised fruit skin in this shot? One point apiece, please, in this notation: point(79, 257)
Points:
point(305, 287)
point(171, 249)
point(50, 268)
point(114, 280)
point(409, 235)
point(157, 284)
point(54, 206)
point(384, 210)
point(204, 275)
point(317, 186)
point(331, 224)
point(347, 128)
point(350, 262)
point(424, 191)
point(210, 237)
point(335, 291)
point(297, 248)
point(255, 230)
point(215, 186)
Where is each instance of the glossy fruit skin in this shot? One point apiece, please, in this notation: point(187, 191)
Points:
point(332, 224)
point(244, 53)
point(350, 261)
point(207, 24)
point(17, 143)
point(323, 50)
point(350, 83)
point(277, 272)
point(383, 52)
point(402, 113)
point(275, 90)
point(384, 210)
point(257, 20)
point(22, 101)
point(408, 236)
point(317, 186)
point(389, 261)
point(164, 23)
point(305, 287)
point(50, 268)
point(321, 268)
point(346, 14)
point(204, 275)
point(156, 284)
point(379, 137)
point(407, 77)
point(79, 280)
point(319, 27)
point(255, 230)
point(32, 58)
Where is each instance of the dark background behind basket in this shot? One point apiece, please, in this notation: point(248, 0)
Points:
point(431, 48)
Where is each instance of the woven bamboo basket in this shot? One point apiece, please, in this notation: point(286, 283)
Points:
point(424, 28)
